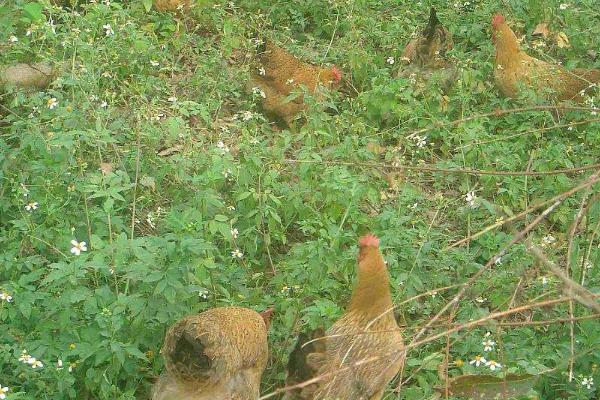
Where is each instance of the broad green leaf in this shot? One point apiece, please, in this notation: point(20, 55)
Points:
point(33, 11)
point(488, 387)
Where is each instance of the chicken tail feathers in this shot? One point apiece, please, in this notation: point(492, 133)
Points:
point(432, 25)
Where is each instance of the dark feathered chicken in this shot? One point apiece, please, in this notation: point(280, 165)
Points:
point(426, 54)
point(305, 360)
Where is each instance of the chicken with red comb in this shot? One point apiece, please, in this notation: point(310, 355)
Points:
point(366, 331)
point(280, 79)
point(515, 70)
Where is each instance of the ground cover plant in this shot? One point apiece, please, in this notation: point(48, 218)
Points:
point(145, 184)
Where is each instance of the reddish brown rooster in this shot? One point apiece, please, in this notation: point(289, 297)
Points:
point(279, 75)
point(515, 69)
point(219, 354)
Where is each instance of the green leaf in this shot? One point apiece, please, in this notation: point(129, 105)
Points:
point(488, 387)
point(147, 5)
point(33, 11)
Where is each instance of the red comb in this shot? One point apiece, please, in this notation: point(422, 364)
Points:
point(336, 73)
point(497, 20)
point(369, 240)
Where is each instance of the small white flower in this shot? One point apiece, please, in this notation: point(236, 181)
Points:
point(487, 334)
point(35, 363)
point(548, 240)
point(13, 39)
point(237, 254)
point(78, 247)
point(261, 71)
point(234, 233)
point(52, 103)
point(231, 208)
point(258, 92)
point(227, 173)
point(223, 147)
point(6, 297)
point(488, 345)
point(493, 365)
point(563, 6)
point(499, 67)
point(588, 382)
point(28, 32)
point(545, 280)
point(24, 358)
point(414, 206)
point(480, 299)
point(470, 198)
point(390, 60)
point(52, 26)
point(247, 115)
point(203, 293)
point(289, 81)
point(104, 104)
point(588, 265)
point(106, 2)
point(498, 260)
point(478, 360)
point(32, 206)
point(421, 141)
point(59, 364)
point(3, 391)
point(172, 99)
point(108, 30)
point(154, 63)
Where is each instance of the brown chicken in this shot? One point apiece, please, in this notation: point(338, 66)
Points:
point(366, 332)
point(515, 69)
point(219, 354)
point(280, 79)
point(429, 48)
point(171, 5)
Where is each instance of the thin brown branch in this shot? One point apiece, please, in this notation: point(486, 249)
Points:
point(547, 128)
point(446, 170)
point(499, 113)
point(522, 214)
point(550, 321)
point(414, 344)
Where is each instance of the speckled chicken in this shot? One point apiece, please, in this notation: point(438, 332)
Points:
point(219, 354)
point(515, 69)
point(278, 74)
point(367, 331)
point(171, 5)
point(425, 55)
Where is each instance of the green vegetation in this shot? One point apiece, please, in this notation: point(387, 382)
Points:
point(148, 148)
